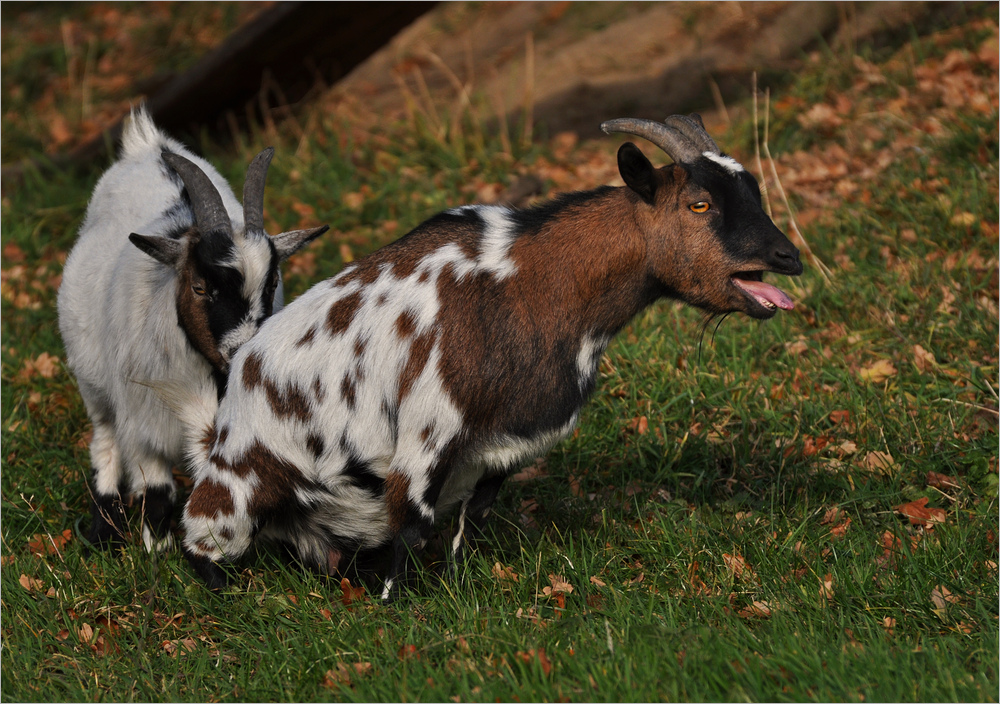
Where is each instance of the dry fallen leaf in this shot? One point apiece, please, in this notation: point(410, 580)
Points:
point(941, 597)
point(826, 587)
point(505, 573)
point(877, 372)
point(919, 514)
point(30, 583)
point(597, 582)
point(888, 623)
point(758, 609)
point(941, 481)
point(877, 461)
point(559, 586)
point(738, 567)
point(923, 360)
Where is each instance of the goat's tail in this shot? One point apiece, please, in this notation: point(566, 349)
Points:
point(141, 137)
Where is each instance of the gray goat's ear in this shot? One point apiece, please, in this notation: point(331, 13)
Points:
point(287, 243)
point(637, 172)
point(163, 249)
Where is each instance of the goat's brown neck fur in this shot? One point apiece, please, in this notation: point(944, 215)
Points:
point(587, 267)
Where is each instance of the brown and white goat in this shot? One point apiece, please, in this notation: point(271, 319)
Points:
point(169, 306)
point(423, 375)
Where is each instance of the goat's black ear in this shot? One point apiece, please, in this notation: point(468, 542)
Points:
point(287, 243)
point(637, 172)
point(163, 249)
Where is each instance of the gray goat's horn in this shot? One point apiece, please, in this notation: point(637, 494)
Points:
point(693, 128)
point(253, 191)
point(672, 136)
point(209, 212)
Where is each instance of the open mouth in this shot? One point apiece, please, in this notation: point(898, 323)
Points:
point(768, 297)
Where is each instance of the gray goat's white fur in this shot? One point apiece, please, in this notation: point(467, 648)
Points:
point(119, 319)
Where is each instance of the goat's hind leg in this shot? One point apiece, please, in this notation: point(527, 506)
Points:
point(472, 519)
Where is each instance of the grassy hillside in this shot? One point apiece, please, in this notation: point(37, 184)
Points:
point(803, 509)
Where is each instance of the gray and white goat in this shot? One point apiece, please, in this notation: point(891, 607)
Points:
point(170, 305)
point(424, 374)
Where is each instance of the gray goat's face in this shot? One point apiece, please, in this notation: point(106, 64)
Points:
point(226, 281)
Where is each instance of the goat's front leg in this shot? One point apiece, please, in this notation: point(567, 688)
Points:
point(107, 508)
point(153, 483)
point(472, 519)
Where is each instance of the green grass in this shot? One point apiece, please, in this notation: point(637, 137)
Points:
point(697, 550)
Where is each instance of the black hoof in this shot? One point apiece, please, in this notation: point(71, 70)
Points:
point(215, 577)
point(107, 524)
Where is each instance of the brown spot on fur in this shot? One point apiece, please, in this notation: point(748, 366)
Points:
point(224, 435)
point(210, 499)
point(365, 274)
point(359, 347)
point(226, 533)
point(315, 444)
point(278, 480)
point(406, 324)
point(397, 499)
point(420, 352)
point(318, 391)
point(291, 402)
point(427, 438)
point(307, 338)
point(341, 313)
point(347, 391)
point(253, 371)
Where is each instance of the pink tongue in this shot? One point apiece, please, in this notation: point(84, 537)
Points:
point(767, 292)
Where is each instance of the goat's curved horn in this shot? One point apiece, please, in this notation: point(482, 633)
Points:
point(209, 212)
point(670, 139)
point(692, 127)
point(253, 191)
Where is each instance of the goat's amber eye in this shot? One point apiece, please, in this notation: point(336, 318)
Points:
point(198, 289)
point(699, 207)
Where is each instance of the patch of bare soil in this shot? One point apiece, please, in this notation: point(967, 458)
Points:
point(573, 65)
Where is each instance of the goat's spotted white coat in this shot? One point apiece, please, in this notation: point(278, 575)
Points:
point(425, 373)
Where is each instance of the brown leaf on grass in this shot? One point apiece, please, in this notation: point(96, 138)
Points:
point(559, 586)
point(758, 609)
point(597, 582)
point(408, 651)
point(923, 360)
point(40, 544)
point(527, 657)
point(877, 372)
point(44, 365)
point(941, 597)
point(30, 583)
point(344, 673)
point(878, 461)
point(839, 530)
point(738, 567)
point(826, 587)
point(504, 573)
point(350, 593)
point(919, 514)
point(532, 471)
point(941, 481)
point(639, 426)
point(889, 623)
